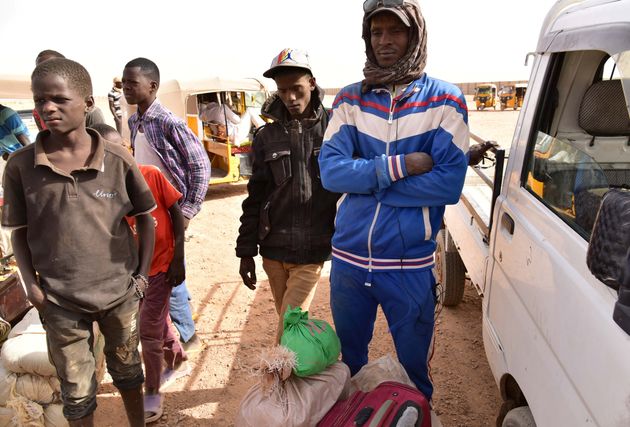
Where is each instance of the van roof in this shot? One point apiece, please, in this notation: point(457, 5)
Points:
point(571, 16)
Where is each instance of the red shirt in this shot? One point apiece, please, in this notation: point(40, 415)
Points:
point(39, 120)
point(165, 196)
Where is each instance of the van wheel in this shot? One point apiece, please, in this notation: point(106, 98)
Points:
point(519, 417)
point(450, 270)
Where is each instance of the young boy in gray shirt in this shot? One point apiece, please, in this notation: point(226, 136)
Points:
point(65, 198)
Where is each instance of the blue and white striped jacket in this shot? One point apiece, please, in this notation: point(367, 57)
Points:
point(387, 220)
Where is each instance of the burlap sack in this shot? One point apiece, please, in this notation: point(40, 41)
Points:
point(301, 402)
point(30, 324)
point(28, 413)
point(53, 416)
point(27, 354)
point(7, 385)
point(43, 390)
point(377, 371)
point(6, 417)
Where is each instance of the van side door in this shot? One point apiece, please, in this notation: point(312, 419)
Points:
point(548, 318)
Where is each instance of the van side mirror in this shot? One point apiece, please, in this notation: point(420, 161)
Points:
point(608, 255)
point(527, 57)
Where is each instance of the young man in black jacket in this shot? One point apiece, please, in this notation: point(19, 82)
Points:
point(288, 214)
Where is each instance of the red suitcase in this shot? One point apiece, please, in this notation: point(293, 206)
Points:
point(382, 407)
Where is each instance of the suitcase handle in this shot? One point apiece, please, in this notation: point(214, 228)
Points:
point(381, 413)
point(363, 415)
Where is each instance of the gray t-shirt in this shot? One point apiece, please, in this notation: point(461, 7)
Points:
point(80, 243)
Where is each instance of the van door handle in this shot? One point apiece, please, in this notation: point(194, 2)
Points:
point(507, 223)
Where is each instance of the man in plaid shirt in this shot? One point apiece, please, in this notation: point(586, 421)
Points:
point(161, 139)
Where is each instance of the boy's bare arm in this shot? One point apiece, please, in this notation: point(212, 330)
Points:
point(22, 253)
point(176, 273)
point(145, 226)
point(23, 139)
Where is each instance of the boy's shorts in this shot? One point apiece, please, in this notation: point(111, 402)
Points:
point(70, 338)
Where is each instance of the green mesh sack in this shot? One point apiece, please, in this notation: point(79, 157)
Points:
point(314, 342)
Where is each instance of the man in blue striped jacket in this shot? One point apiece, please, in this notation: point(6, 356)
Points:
point(396, 147)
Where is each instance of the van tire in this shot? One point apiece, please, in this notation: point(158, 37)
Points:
point(450, 270)
point(519, 417)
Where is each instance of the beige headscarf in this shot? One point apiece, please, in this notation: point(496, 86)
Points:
point(411, 65)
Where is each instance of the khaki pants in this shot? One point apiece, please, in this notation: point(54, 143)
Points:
point(291, 285)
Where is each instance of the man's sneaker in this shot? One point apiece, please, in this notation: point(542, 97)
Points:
point(194, 344)
point(169, 376)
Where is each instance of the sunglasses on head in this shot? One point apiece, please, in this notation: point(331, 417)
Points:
point(370, 5)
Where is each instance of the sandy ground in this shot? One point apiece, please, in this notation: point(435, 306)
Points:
point(236, 324)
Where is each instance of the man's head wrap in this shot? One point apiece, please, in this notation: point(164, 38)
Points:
point(411, 65)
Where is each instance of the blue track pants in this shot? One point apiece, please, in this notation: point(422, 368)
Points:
point(407, 300)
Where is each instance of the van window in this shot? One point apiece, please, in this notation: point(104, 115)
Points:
point(567, 180)
point(610, 70)
point(580, 147)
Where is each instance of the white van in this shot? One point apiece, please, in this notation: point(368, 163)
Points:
point(557, 356)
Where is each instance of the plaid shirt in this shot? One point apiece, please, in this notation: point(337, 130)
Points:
point(180, 151)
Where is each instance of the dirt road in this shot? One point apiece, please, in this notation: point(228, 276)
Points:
point(236, 323)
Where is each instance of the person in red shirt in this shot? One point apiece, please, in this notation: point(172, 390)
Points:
point(159, 341)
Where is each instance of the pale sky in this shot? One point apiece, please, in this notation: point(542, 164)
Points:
point(482, 40)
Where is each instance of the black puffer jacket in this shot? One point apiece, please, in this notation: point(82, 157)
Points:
point(288, 214)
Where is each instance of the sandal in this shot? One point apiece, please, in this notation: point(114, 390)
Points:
point(153, 407)
point(169, 376)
